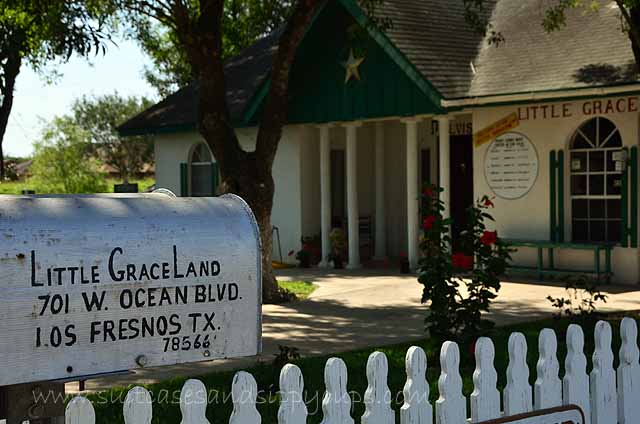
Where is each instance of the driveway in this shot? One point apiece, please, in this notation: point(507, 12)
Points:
point(354, 309)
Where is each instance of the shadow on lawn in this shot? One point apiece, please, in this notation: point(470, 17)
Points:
point(337, 327)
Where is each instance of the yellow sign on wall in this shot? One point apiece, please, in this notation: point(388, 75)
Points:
point(496, 129)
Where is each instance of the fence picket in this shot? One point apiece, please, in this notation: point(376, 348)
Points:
point(137, 408)
point(377, 397)
point(193, 402)
point(416, 408)
point(517, 393)
point(603, 378)
point(336, 403)
point(485, 399)
point(548, 386)
point(575, 385)
point(597, 394)
point(629, 373)
point(79, 411)
point(292, 407)
point(451, 406)
point(244, 391)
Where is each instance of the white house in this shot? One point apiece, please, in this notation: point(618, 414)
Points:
point(545, 122)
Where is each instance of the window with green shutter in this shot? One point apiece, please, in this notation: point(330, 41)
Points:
point(596, 166)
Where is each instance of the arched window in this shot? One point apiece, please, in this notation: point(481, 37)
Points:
point(200, 154)
point(203, 172)
point(596, 182)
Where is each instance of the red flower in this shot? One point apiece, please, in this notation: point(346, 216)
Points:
point(461, 261)
point(428, 222)
point(488, 203)
point(428, 191)
point(489, 237)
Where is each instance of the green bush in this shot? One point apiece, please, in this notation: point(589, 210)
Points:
point(61, 163)
point(459, 285)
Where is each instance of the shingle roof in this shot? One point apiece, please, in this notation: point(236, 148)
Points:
point(243, 75)
point(591, 50)
point(436, 39)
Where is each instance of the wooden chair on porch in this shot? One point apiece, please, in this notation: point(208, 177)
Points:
point(366, 235)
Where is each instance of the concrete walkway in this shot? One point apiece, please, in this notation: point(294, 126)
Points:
point(354, 309)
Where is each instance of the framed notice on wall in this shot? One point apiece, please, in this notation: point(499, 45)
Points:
point(511, 165)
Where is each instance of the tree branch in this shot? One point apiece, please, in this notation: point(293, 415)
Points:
point(633, 26)
point(274, 116)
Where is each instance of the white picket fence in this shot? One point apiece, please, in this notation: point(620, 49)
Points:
point(606, 397)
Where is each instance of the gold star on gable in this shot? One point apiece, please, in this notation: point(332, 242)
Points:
point(351, 65)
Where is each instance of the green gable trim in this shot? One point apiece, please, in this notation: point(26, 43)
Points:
point(256, 103)
point(318, 91)
point(390, 87)
point(396, 55)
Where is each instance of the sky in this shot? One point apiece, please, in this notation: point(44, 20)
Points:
point(36, 102)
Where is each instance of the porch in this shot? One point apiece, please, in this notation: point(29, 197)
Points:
point(365, 177)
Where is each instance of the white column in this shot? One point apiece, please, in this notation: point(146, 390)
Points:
point(380, 220)
point(352, 196)
point(412, 192)
point(444, 147)
point(325, 194)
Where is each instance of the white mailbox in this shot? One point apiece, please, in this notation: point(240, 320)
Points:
point(106, 283)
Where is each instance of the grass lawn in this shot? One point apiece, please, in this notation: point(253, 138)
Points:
point(302, 289)
point(266, 375)
point(16, 187)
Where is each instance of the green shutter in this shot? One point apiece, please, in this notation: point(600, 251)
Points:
point(184, 182)
point(552, 192)
point(556, 200)
point(634, 197)
point(560, 192)
point(630, 200)
point(625, 205)
point(215, 179)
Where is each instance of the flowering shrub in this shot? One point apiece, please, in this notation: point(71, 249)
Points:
point(459, 285)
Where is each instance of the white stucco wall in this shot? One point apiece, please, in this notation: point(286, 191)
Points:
point(170, 151)
point(173, 149)
point(551, 129)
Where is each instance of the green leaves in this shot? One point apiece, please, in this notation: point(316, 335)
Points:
point(243, 22)
point(459, 285)
point(583, 295)
point(55, 29)
point(72, 148)
point(61, 163)
point(99, 117)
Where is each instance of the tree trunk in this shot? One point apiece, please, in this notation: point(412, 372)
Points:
point(247, 174)
point(251, 180)
point(11, 69)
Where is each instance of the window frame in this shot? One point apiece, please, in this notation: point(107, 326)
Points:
point(596, 147)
